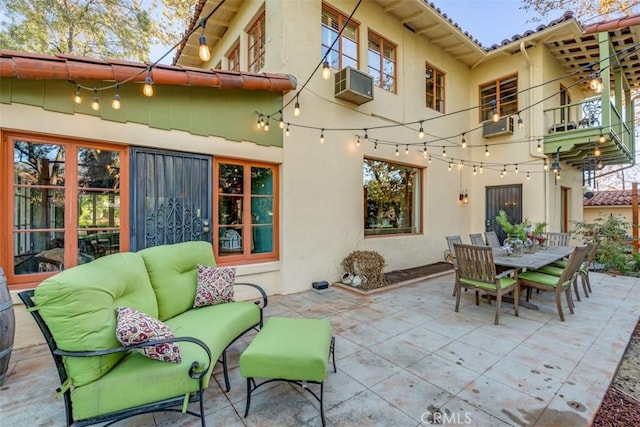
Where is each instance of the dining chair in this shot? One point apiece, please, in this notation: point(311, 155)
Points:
point(451, 241)
point(477, 239)
point(557, 284)
point(557, 239)
point(492, 239)
point(557, 267)
point(477, 271)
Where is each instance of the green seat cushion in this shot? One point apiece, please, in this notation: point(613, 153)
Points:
point(78, 305)
point(542, 278)
point(550, 269)
point(289, 349)
point(217, 326)
point(173, 272)
point(560, 263)
point(505, 282)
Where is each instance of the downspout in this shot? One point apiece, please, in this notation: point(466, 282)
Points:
point(532, 151)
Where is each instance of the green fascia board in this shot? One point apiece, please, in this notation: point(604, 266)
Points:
point(230, 114)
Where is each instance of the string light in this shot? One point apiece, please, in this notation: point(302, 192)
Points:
point(397, 152)
point(596, 151)
point(601, 139)
point(486, 151)
point(494, 113)
point(546, 165)
point(406, 150)
point(429, 158)
point(358, 142)
point(461, 164)
point(259, 123)
point(424, 151)
point(287, 131)
point(516, 170)
point(95, 104)
point(464, 141)
point(115, 103)
point(296, 107)
point(450, 165)
point(539, 147)
point(520, 122)
point(366, 136)
point(421, 131)
point(481, 168)
point(203, 51)
point(501, 174)
point(504, 169)
point(266, 124)
point(444, 152)
point(474, 169)
point(281, 123)
point(322, 136)
point(326, 71)
point(528, 176)
point(148, 84)
point(375, 145)
point(77, 98)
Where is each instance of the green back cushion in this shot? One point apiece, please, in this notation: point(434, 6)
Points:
point(173, 271)
point(78, 305)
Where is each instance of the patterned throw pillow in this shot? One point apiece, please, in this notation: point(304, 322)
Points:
point(215, 285)
point(135, 327)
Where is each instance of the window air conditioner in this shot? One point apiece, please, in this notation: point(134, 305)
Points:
point(353, 86)
point(504, 126)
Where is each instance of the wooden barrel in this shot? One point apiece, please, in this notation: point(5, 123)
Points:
point(7, 326)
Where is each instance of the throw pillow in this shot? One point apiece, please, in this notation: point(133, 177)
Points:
point(215, 285)
point(135, 327)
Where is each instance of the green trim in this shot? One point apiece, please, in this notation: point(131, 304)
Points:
point(229, 114)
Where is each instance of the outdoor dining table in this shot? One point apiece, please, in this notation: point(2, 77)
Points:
point(531, 261)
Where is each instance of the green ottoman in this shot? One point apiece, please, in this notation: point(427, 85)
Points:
point(289, 349)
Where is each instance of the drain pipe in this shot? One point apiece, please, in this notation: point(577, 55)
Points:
point(532, 151)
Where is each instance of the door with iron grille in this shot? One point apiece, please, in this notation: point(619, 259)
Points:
point(503, 197)
point(170, 197)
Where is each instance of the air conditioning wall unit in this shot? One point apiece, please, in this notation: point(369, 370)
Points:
point(353, 86)
point(504, 126)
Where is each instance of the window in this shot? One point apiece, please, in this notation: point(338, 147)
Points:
point(66, 203)
point(256, 36)
point(233, 58)
point(502, 95)
point(434, 79)
point(345, 50)
point(392, 198)
point(382, 62)
point(247, 211)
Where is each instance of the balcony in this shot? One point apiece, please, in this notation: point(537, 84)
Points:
point(577, 129)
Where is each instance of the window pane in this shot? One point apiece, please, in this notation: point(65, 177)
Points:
point(261, 180)
point(262, 239)
point(262, 210)
point(98, 209)
point(349, 48)
point(230, 210)
point(230, 241)
point(38, 208)
point(231, 178)
point(36, 252)
point(392, 197)
point(38, 164)
point(349, 62)
point(95, 244)
point(98, 168)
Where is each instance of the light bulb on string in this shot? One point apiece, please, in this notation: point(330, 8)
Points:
point(375, 145)
point(77, 98)
point(429, 159)
point(494, 113)
point(520, 122)
point(539, 147)
point(358, 141)
point(115, 103)
point(326, 71)
point(148, 84)
point(464, 141)
point(421, 131)
point(322, 136)
point(281, 123)
point(601, 139)
point(406, 150)
point(450, 165)
point(481, 168)
point(528, 176)
point(546, 165)
point(516, 170)
point(596, 151)
point(259, 123)
point(424, 151)
point(504, 169)
point(397, 152)
point(286, 132)
point(595, 80)
point(486, 151)
point(266, 124)
point(474, 169)
point(366, 136)
point(444, 151)
point(203, 51)
point(296, 107)
point(502, 174)
point(95, 103)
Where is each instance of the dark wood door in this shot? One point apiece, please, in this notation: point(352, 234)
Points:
point(170, 197)
point(503, 197)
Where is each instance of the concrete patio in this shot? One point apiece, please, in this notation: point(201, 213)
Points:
point(403, 358)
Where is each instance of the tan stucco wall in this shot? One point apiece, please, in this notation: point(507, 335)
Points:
point(592, 213)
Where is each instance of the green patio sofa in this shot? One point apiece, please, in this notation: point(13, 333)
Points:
point(102, 380)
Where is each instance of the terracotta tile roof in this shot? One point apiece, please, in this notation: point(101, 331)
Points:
point(609, 198)
point(26, 65)
point(567, 16)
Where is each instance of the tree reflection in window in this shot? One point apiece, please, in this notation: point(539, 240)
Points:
point(392, 198)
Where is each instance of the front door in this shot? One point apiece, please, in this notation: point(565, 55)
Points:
point(507, 198)
point(170, 197)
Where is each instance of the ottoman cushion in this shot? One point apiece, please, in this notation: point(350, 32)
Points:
point(289, 349)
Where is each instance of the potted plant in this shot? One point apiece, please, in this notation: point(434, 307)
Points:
point(516, 234)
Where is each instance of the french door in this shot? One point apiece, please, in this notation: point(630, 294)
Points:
point(503, 197)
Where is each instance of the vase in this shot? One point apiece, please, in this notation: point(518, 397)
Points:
point(515, 246)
